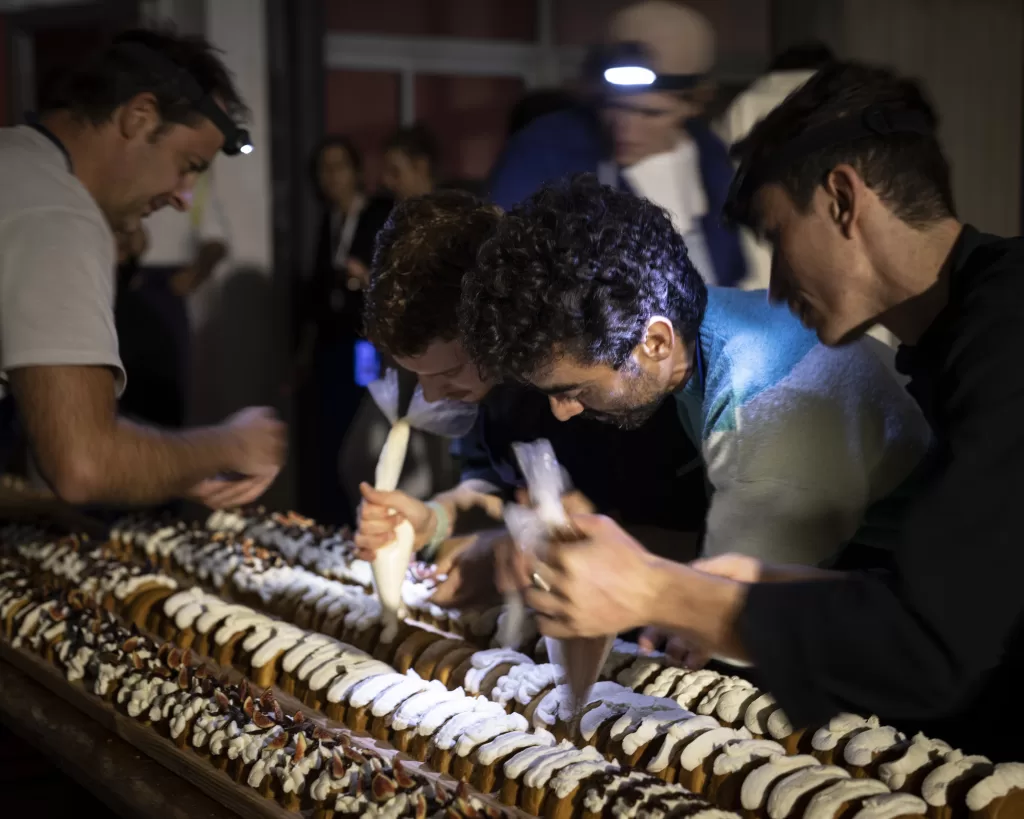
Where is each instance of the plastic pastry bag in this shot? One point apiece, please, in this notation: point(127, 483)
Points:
point(581, 657)
point(529, 534)
point(392, 561)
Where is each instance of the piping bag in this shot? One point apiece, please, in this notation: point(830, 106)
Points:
point(532, 529)
point(401, 400)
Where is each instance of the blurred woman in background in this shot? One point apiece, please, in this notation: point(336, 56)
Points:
point(332, 352)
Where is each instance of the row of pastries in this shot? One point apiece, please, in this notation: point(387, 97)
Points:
point(650, 735)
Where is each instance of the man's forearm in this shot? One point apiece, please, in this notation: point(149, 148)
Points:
point(88, 455)
point(140, 464)
point(699, 605)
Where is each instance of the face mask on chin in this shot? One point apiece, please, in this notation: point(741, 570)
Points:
point(447, 418)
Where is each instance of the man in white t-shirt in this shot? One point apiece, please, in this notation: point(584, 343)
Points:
point(127, 135)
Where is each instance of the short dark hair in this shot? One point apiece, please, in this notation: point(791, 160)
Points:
point(110, 77)
point(416, 279)
point(907, 170)
point(579, 268)
point(416, 142)
point(809, 56)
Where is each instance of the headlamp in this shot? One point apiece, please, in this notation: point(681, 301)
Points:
point(628, 67)
point(236, 138)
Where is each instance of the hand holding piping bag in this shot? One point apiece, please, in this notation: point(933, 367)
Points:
point(392, 561)
point(581, 657)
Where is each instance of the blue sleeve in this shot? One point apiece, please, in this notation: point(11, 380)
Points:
point(475, 459)
point(523, 167)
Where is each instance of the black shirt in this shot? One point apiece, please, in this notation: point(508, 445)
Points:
point(651, 476)
point(932, 640)
point(338, 311)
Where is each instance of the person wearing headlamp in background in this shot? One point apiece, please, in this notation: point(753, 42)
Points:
point(126, 134)
point(848, 182)
point(648, 138)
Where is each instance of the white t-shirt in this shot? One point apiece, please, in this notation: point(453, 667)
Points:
point(57, 261)
point(672, 180)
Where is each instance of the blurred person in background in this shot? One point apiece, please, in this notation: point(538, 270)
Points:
point(536, 104)
point(331, 347)
point(154, 392)
point(652, 142)
point(411, 160)
point(125, 134)
point(787, 72)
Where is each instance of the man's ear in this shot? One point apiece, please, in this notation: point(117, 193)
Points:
point(846, 191)
point(659, 339)
point(139, 115)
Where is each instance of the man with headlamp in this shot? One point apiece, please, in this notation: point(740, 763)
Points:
point(646, 135)
point(126, 134)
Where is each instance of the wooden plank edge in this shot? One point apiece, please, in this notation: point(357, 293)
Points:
point(237, 797)
point(131, 784)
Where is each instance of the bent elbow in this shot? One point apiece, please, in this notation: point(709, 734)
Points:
point(76, 480)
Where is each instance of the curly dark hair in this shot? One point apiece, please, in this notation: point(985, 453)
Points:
point(908, 171)
point(416, 279)
point(579, 268)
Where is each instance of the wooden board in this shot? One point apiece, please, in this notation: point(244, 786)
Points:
point(131, 784)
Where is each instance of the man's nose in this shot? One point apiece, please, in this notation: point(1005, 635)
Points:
point(432, 390)
point(181, 199)
point(564, 410)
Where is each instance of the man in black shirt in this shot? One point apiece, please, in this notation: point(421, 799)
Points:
point(846, 179)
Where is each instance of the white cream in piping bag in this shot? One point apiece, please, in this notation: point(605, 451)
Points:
point(392, 561)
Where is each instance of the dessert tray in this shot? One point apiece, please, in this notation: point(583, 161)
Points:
point(249, 656)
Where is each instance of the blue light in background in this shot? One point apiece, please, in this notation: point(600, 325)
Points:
point(367, 363)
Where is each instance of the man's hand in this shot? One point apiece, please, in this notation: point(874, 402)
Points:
point(471, 572)
point(359, 273)
point(677, 646)
point(465, 497)
point(379, 516)
point(381, 512)
point(574, 502)
point(601, 585)
point(218, 493)
point(259, 442)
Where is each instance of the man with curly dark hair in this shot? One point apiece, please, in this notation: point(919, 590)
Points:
point(411, 314)
point(588, 293)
